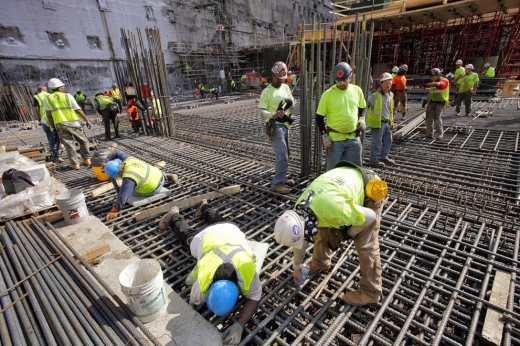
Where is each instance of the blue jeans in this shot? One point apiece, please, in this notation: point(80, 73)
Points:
point(280, 144)
point(381, 142)
point(347, 150)
point(53, 146)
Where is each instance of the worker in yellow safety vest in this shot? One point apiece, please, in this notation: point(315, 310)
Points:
point(225, 266)
point(64, 113)
point(80, 99)
point(42, 118)
point(115, 93)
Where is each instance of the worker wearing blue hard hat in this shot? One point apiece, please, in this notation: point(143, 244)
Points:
point(138, 178)
point(225, 266)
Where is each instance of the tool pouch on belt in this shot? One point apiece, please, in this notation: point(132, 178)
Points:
point(270, 127)
point(336, 237)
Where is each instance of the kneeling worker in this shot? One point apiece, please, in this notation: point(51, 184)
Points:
point(225, 266)
point(139, 178)
point(345, 202)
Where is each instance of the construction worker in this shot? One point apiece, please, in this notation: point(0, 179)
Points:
point(156, 103)
point(108, 108)
point(467, 88)
point(80, 99)
point(380, 119)
point(214, 93)
point(225, 266)
point(275, 103)
point(343, 203)
point(489, 71)
point(459, 71)
point(438, 99)
point(394, 71)
point(138, 178)
point(115, 93)
point(289, 78)
point(64, 114)
point(133, 115)
point(294, 80)
point(233, 86)
point(42, 118)
point(399, 90)
point(130, 91)
point(201, 89)
point(343, 105)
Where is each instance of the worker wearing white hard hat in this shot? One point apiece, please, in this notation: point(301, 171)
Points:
point(467, 88)
point(489, 71)
point(380, 119)
point(64, 114)
point(341, 204)
point(459, 72)
point(437, 101)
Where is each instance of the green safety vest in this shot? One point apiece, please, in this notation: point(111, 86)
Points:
point(157, 106)
point(375, 112)
point(201, 87)
point(459, 71)
point(440, 95)
point(40, 97)
point(220, 247)
point(116, 94)
point(145, 176)
point(232, 83)
point(79, 97)
point(60, 105)
point(490, 72)
point(104, 101)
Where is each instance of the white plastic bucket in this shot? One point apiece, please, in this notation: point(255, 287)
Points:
point(72, 206)
point(142, 283)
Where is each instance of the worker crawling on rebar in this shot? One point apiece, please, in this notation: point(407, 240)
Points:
point(138, 178)
point(343, 203)
point(225, 266)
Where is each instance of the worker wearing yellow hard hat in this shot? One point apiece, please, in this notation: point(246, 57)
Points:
point(343, 203)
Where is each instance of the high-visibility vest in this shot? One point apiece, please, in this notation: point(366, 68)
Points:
point(375, 112)
point(157, 106)
point(201, 87)
point(40, 98)
point(490, 72)
point(60, 104)
point(440, 95)
point(104, 101)
point(79, 97)
point(220, 247)
point(145, 176)
point(232, 83)
point(116, 94)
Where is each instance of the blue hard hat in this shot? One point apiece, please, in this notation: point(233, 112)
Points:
point(112, 168)
point(222, 296)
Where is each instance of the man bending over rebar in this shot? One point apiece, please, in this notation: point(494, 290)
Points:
point(225, 266)
point(343, 203)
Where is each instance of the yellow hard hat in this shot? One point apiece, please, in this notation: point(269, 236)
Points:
point(376, 189)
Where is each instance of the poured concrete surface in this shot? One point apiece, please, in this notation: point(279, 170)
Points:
point(180, 322)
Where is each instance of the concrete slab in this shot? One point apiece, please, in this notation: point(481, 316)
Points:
point(180, 325)
point(137, 201)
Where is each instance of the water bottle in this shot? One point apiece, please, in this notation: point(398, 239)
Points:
point(305, 271)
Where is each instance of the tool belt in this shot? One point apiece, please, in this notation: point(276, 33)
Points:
point(329, 130)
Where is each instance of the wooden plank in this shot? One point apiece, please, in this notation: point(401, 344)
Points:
point(95, 252)
point(185, 202)
point(494, 324)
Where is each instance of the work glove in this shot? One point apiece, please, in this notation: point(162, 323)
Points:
point(361, 124)
point(233, 334)
point(89, 125)
point(112, 214)
point(327, 142)
point(288, 104)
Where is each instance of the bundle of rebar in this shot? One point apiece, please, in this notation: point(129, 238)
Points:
point(16, 103)
point(47, 298)
point(147, 72)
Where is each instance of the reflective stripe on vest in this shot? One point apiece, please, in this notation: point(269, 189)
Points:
point(440, 95)
point(220, 247)
point(40, 97)
point(375, 112)
point(145, 176)
point(60, 105)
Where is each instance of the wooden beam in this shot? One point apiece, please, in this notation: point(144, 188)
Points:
point(95, 252)
point(494, 324)
point(185, 202)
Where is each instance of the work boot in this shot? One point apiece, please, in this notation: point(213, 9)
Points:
point(75, 166)
point(289, 182)
point(426, 135)
point(313, 268)
point(359, 298)
point(280, 189)
point(86, 162)
point(439, 136)
point(200, 209)
point(457, 114)
point(468, 115)
point(378, 163)
point(165, 220)
point(387, 161)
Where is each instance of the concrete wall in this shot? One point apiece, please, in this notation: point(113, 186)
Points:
point(76, 40)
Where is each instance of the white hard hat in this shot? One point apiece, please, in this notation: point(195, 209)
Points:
point(487, 64)
point(55, 83)
point(385, 76)
point(470, 66)
point(458, 62)
point(395, 69)
point(289, 229)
